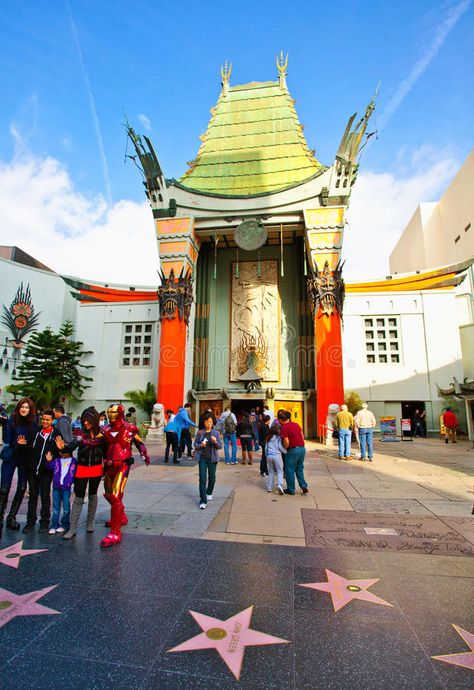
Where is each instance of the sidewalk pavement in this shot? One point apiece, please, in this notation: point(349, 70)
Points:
point(424, 477)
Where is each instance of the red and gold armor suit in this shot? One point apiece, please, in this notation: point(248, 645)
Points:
point(119, 436)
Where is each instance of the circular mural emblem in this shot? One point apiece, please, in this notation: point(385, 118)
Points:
point(216, 633)
point(250, 235)
point(20, 322)
point(5, 604)
point(354, 588)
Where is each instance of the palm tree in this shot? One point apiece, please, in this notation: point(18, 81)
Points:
point(144, 400)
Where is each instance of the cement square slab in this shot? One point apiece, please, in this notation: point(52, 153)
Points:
point(409, 506)
point(265, 525)
point(396, 489)
point(448, 508)
point(415, 533)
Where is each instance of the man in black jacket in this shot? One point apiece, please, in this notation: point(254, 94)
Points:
point(39, 475)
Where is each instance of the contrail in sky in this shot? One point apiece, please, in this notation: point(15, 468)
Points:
point(98, 133)
point(409, 82)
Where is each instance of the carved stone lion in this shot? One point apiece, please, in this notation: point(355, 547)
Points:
point(156, 427)
point(333, 409)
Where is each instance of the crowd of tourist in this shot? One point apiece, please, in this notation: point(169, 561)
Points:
point(41, 446)
point(280, 441)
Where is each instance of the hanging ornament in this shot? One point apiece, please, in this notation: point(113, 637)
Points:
point(237, 264)
point(216, 240)
point(258, 265)
point(305, 265)
point(282, 266)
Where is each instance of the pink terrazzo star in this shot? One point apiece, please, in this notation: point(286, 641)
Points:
point(13, 605)
point(229, 638)
point(342, 591)
point(465, 659)
point(12, 554)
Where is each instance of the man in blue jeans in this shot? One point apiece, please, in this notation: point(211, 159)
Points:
point(229, 425)
point(344, 423)
point(293, 440)
point(365, 423)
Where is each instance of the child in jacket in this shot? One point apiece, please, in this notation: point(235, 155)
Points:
point(64, 470)
point(274, 451)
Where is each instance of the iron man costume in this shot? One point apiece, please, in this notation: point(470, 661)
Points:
point(118, 459)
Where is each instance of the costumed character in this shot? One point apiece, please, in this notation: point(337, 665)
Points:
point(333, 409)
point(118, 460)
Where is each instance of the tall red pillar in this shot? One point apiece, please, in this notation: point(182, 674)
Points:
point(172, 363)
point(329, 372)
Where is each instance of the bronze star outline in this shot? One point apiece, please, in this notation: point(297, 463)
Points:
point(343, 590)
point(464, 659)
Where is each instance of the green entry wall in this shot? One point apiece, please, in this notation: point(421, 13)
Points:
point(213, 322)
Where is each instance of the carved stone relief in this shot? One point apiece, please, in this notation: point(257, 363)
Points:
point(255, 325)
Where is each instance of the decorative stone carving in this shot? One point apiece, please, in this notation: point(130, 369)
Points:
point(326, 290)
point(175, 295)
point(255, 326)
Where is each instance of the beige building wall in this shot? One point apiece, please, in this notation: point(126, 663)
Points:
point(441, 233)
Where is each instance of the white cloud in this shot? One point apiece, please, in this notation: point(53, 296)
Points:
point(145, 121)
point(383, 203)
point(43, 214)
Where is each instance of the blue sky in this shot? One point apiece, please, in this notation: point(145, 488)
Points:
point(70, 70)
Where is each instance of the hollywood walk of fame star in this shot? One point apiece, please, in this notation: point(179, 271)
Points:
point(12, 605)
point(342, 591)
point(229, 638)
point(465, 659)
point(12, 554)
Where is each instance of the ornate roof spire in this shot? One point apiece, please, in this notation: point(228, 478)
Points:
point(282, 65)
point(226, 71)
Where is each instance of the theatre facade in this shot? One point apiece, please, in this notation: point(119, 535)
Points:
point(252, 308)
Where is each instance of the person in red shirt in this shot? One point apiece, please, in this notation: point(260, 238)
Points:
point(451, 423)
point(293, 440)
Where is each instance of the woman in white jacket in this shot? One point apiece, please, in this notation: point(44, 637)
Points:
point(274, 450)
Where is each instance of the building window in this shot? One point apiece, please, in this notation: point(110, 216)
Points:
point(382, 343)
point(137, 342)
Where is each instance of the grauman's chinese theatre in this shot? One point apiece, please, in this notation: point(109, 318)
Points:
point(250, 241)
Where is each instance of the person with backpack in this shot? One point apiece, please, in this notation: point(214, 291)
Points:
point(229, 422)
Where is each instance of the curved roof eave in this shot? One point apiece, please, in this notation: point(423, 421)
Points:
point(200, 192)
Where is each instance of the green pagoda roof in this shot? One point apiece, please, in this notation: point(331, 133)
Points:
point(254, 143)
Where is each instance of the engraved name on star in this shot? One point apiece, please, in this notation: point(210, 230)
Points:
point(465, 659)
point(229, 638)
point(12, 554)
point(13, 605)
point(343, 591)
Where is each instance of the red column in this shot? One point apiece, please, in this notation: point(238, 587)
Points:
point(329, 374)
point(172, 362)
